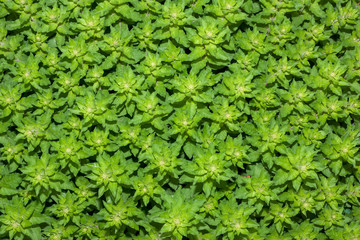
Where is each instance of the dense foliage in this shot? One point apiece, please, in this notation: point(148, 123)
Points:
point(179, 119)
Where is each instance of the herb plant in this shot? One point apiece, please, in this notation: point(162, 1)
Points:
point(179, 119)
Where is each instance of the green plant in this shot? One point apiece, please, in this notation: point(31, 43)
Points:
point(179, 119)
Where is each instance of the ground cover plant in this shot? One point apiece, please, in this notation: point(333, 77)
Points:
point(182, 119)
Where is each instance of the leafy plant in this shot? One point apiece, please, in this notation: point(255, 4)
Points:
point(179, 119)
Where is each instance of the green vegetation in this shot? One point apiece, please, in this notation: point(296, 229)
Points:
point(179, 119)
